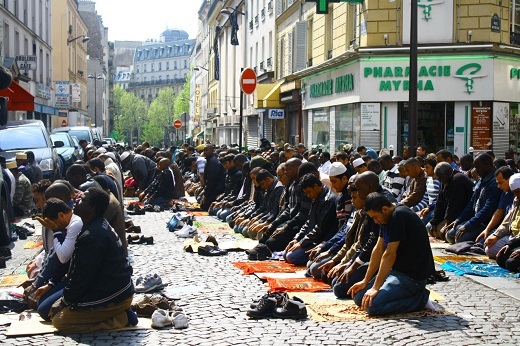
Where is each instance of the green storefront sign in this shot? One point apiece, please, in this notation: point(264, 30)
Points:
point(341, 84)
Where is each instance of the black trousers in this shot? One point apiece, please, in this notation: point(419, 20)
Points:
point(511, 264)
point(280, 241)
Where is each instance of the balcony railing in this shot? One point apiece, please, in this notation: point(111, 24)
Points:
point(158, 82)
point(329, 54)
point(262, 14)
point(262, 66)
point(515, 38)
point(251, 25)
point(309, 64)
point(269, 62)
point(270, 7)
point(257, 22)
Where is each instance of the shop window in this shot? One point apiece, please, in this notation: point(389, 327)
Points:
point(321, 128)
point(514, 126)
point(347, 126)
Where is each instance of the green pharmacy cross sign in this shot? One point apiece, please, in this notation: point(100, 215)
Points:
point(322, 6)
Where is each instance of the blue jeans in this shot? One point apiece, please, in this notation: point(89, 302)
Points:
point(45, 302)
point(224, 213)
point(399, 294)
point(341, 288)
point(298, 257)
point(469, 235)
point(318, 274)
point(427, 218)
point(214, 211)
point(159, 201)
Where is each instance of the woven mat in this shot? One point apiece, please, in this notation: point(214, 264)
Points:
point(31, 244)
point(214, 228)
point(462, 258)
point(478, 269)
point(266, 267)
point(296, 285)
point(200, 213)
point(323, 308)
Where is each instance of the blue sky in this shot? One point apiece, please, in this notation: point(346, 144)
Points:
point(138, 20)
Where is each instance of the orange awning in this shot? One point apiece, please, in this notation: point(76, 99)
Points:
point(19, 98)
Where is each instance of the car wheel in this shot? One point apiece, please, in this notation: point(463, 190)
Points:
point(5, 238)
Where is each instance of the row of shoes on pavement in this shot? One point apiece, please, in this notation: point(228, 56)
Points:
point(163, 311)
point(149, 283)
point(279, 305)
point(22, 231)
point(209, 247)
point(183, 225)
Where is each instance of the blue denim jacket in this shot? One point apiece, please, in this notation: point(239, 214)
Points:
point(482, 205)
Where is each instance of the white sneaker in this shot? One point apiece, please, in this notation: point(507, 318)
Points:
point(187, 232)
point(180, 321)
point(161, 319)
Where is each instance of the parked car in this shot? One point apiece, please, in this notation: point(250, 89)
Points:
point(81, 132)
point(110, 141)
point(5, 236)
point(24, 135)
point(68, 152)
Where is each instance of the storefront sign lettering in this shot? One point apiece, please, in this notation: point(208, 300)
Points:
point(481, 128)
point(343, 84)
point(515, 73)
point(468, 73)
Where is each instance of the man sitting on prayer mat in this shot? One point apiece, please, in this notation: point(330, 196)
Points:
point(400, 264)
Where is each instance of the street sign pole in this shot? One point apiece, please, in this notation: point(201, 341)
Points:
point(241, 118)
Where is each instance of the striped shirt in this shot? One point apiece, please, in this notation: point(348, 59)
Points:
point(394, 182)
point(430, 197)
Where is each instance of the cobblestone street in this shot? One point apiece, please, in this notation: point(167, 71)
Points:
point(215, 296)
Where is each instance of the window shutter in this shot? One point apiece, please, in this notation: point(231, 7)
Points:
point(279, 8)
point(289, 53)
point(279, 67)
point(300, 52)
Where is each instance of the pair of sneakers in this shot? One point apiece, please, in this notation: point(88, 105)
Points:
point(164, 318)
point(150, 282)
point(187, 231)
point(278, 305)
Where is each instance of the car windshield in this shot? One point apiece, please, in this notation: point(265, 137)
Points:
point(61, 136)
point(21, 138)
point(80, 134)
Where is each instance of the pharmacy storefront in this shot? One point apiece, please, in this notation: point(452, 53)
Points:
point(464, 101)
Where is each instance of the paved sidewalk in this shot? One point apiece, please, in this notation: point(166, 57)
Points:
point(215, 297)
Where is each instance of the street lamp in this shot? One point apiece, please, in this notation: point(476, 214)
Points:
point(198, 68)
point(95, 78)
point(85, 39)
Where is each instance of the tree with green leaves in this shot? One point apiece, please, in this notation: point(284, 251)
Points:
point(160, 117)
point(131, 114)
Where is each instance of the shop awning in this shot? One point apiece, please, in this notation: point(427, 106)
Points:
point(200, 134)
point(19, 99)
point(268, 95)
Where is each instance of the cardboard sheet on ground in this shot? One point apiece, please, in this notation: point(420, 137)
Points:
point(214, 228)
point(12, 280)
point(200, 213)
point(324, 307)
point(296, 285)
point(266, 267)
point(242, 244)
point(37, 326)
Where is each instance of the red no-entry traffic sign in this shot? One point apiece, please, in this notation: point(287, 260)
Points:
point(248, 81)
point(177, 124)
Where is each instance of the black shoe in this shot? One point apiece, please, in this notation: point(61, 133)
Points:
point(132, 239)
point(209, 250)
point(5, 253)
point(280, 297)
point(259, 253)
point(2, 263)
point(265, 308)
point(292, 309)
point(22, 234)
point(145, 240)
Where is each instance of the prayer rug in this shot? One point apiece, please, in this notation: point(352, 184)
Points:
point(478, 269)
point(37, 326)
point(296, 285)
point(296, 275)
point(31, 244)
point(462, 258)
point(242, 244)
point(200, 213)
point(266, 267)
point(13, 280)
point(321, 307)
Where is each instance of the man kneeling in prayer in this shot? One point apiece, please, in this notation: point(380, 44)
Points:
point(99, 291)
point(402, 259)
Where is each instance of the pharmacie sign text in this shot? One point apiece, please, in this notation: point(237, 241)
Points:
point(339, 85)
point(392, 77)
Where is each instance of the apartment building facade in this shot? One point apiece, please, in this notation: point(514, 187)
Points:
point(25, 49)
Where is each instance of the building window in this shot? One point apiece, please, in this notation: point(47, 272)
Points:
point(185, 63)
point(175, 65)
point(160, 66)
point(144, 68)
point(321, 128)
point(167, 65)
point(153, 66)
point(515, 22)
point(347, 125)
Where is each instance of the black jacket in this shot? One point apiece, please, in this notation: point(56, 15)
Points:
point(162, 185)
point(142, 169)
point(453, 198)
point(99, 273)
point(214, 177)
point(234, 179)
point(322, 224)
